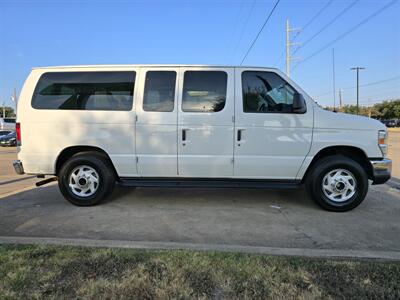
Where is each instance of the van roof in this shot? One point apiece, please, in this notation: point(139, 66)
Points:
point(149, 65)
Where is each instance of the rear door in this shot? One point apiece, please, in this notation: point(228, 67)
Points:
point(205, 122)
point(156, 126)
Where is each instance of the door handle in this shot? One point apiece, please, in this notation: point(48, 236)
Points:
point(184, 136)
point(239, 135)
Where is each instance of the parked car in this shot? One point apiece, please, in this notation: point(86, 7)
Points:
point(191, 126)
point(8, 139)
point(384, 122)
point(394, 123)
point(5, 132)
point(7, 123)
point(390, 123)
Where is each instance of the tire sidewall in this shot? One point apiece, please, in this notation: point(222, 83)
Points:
point(104, 179)
point(330, 165)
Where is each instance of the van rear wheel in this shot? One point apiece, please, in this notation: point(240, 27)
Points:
point(337, 183)
point(86, 179)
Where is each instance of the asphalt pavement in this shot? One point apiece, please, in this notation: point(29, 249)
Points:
point(202, 218)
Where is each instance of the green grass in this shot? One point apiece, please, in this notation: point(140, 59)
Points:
point(53, 272)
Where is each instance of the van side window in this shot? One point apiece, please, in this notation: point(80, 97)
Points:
point(159, 91)
point(85, 91)
point(204, 91)
point(266, 92)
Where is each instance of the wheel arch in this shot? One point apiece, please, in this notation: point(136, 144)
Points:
point(354, 153)
point(68, 152)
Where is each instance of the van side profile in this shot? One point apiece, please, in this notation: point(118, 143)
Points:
point(190, 126)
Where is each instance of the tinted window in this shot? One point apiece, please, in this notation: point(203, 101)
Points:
point(159, 91)
point(85, 91)
point(204, 91)
point(265, 92)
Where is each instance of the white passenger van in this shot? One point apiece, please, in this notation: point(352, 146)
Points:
point(191, 126)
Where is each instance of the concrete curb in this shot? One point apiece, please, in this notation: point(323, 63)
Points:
point(326, 253)
point(394, 183)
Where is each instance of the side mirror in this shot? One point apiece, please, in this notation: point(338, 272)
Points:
point(299, 104)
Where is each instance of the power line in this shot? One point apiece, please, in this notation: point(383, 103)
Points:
point(389, 94)
point(243, 29)
point(373, 83)
point(258, 34)
point(372, 102)
point(369, 101)
point(232, 40)
point(362, 85)
point(348, 32)
point(314, 17)
point(377, 101)
point(380, 95)
point(305, 26)
point(327, 25)
point(280, 57)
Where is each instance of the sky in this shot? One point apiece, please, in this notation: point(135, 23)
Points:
point(50, 33)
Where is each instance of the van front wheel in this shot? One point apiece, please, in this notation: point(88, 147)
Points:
point(86, 179)
point(337, 183)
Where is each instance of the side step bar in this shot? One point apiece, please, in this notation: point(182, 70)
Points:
point(209, 183)
point(46, 181)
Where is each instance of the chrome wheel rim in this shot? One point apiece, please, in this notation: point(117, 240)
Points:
point(339, 185)
point(84, 181)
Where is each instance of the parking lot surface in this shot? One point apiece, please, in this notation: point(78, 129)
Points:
point(208, 216)
point(236, 217)
point(394, 150)
point(240, 217)
point(10, 182)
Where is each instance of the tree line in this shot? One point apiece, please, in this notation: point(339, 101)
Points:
point(9, 112)
point(383, 111)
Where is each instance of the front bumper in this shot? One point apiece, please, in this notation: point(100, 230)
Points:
point(381, 170)
point(18, 167)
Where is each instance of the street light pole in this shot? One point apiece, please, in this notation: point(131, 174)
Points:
point(358, 70)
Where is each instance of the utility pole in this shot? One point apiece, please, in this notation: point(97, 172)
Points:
point(358, 94)
point(4, 109)
point(289, 44)
point(340, 99)
point(14, 99)
point(333, 79)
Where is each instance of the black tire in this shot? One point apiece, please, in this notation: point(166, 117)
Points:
point(323, 167)
point(105, 172)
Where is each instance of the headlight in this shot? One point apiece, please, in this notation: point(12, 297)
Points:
point(382, 141)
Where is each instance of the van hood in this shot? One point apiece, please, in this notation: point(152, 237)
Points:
point(327, 119)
